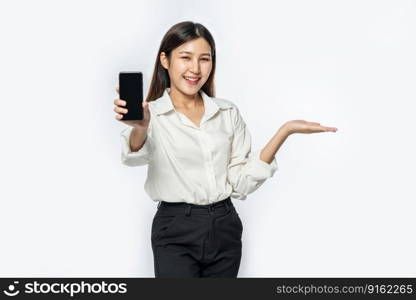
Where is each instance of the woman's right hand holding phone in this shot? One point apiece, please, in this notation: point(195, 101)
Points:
point(120, 110)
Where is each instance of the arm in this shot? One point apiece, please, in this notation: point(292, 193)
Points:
point(268, 152)
point(137, 138)
point(295, 126)
point(137, 146)
point(246, 170)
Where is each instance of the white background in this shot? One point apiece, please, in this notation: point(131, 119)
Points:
point(340, 204)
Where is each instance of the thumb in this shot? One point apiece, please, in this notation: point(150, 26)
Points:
point(145, 105)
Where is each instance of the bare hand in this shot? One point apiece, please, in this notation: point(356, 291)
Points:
point(119, 108)
point(301, 126)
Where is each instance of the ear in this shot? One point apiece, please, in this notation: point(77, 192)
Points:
point(164, 60)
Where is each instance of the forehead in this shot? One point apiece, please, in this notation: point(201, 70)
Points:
point(197, 46)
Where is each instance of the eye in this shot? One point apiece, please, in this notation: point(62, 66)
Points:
point(207, 59)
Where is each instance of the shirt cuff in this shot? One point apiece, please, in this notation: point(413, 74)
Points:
point(260, 169)
point(144, 151)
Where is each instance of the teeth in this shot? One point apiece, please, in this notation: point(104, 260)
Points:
point(192, 79)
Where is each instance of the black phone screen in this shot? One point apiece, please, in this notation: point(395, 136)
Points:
point(131, 91)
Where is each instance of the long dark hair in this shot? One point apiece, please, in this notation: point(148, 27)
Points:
point(177, 35)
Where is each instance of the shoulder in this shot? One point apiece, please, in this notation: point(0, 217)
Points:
point(224, 103)
point(235, 115)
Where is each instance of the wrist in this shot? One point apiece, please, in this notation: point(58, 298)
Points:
point(139, 128)
point(284, 130)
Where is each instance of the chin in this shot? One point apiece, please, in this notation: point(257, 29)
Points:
point(190, 90)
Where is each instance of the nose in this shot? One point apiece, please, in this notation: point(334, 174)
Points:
point(195, 67)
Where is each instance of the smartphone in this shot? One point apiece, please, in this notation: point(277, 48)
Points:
point(131, 91)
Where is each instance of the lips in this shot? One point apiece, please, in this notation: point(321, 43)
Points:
point(192, 80)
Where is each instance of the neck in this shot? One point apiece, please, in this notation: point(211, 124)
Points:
point(181, 100)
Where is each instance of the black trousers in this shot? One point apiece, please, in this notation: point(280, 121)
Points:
point(190, 240)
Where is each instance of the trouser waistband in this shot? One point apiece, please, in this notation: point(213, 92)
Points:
point(190, 206)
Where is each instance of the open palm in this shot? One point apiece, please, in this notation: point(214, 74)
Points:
point(302, 126)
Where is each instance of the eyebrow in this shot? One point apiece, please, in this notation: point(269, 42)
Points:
point(191, 53)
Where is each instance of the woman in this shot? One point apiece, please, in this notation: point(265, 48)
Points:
point(198, 152)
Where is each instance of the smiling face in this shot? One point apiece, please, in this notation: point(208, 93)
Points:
point(189, 67)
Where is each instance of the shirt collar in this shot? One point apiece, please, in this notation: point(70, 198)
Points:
point(164, 104)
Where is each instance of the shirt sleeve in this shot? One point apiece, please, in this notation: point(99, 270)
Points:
point(246, 171)
point(138, 158)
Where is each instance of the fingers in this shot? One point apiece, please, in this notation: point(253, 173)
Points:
point(119, 102)
point(120, 109)
point(322, 128)
point(333, 129)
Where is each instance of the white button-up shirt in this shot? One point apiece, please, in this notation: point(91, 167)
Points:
point(199, 165)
